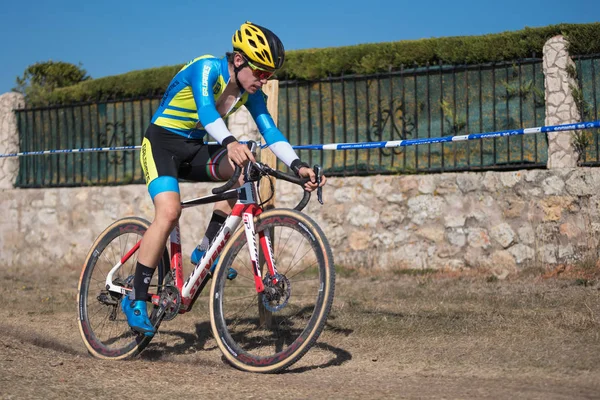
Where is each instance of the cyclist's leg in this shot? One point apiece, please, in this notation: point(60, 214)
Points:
point(160, 155)
point(211, 164)
point(167, 209)
point(225, 170)
point(205, 167)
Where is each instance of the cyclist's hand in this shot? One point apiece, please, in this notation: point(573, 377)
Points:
point(311, 185)
point(239, 153)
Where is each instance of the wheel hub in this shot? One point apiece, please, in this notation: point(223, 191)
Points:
point(276, 295)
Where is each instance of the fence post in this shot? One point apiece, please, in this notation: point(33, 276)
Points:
point(271, 89)
point(9, 138)
point(561, 107)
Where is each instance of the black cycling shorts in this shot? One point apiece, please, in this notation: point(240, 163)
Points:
point(167, 157)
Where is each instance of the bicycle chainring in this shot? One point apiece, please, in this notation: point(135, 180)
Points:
point(276, 295)
point(169, 303)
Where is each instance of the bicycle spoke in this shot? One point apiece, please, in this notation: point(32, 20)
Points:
point(263, 329)
point(103, 325)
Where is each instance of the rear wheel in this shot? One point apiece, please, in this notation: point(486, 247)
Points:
point(270, 331)
point(102, 324)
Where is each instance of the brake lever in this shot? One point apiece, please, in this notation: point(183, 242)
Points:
point(252, 146)
point(319, 173)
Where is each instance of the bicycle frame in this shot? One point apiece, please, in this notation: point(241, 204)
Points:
point(245, 209)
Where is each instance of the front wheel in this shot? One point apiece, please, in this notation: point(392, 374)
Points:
point(270, 331)
point(102, 324)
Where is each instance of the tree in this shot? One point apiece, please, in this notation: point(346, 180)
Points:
point(43, 77)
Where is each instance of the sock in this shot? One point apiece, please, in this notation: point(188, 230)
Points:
point(141, 281)
point(213, 228)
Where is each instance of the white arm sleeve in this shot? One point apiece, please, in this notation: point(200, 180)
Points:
point(284, 151)
point(218, 130)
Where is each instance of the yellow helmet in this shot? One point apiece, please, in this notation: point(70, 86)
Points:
point(261, 46)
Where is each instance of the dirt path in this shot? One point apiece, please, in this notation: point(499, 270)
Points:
point(409, 338)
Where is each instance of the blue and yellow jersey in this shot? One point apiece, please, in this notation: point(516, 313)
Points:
point(189, 106)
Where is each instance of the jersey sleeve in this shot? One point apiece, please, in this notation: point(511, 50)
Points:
point(275, 140)
point(205, 73)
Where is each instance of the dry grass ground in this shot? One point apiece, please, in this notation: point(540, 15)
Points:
point(428, 336)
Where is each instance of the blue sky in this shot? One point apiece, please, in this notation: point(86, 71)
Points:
point(111, 37)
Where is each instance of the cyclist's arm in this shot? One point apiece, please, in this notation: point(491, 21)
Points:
point(205, 75)
point(275, 140)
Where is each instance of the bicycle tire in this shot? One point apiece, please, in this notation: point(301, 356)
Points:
point(251, 337)
point(103, 326)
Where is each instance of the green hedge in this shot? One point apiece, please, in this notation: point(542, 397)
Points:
point(360, 59)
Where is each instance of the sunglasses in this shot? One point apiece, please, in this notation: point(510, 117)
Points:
point(259, 73)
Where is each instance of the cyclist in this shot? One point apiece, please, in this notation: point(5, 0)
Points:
point(204, 92)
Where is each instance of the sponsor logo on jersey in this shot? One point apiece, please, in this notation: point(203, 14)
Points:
point(217, 88)
point(205, 73)
point(173, 84)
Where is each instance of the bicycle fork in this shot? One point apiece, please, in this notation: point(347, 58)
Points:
point(265, 245)
point(247, 207)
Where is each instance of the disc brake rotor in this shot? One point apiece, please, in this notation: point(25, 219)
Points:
point(276, 295)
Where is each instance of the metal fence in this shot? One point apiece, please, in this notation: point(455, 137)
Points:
point(431, 101)
point(119, 123)
point(587, 98)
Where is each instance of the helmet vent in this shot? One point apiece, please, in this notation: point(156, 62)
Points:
point(259, 45)
point(266, 55)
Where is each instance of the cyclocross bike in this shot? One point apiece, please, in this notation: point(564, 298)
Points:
point(264, 320)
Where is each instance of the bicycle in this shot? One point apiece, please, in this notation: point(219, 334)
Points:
point(264, 320)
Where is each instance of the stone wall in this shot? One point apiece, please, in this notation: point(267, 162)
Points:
point(498, 221)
